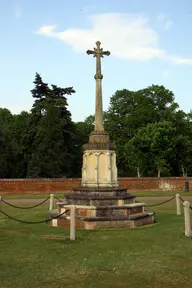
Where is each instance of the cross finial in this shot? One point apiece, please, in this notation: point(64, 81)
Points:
point(98, 53)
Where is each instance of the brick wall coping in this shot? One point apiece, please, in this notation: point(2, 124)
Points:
point(79, 179)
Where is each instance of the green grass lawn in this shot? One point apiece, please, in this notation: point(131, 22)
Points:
point(161, 193)
point(151, 257)
point(138, 194)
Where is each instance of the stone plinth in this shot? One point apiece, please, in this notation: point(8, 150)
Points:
point(99, 196)
point(102, 208)
point(104, 170)
point(103, 217)
point(99, 161)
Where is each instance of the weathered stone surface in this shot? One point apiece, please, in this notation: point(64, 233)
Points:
point(110, 223)
point(99, 169)
point(99, 196)
point(131, 215)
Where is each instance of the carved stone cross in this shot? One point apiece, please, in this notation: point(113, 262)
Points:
point(98, 53)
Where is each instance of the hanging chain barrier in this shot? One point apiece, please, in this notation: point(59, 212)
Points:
point(58, 199)
point(184, 201)
point(161, 203)
point(33, 222)
point(181, 199)
point(29, 207)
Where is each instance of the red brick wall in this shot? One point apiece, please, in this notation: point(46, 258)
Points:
point(37, 186)
point(155, 184)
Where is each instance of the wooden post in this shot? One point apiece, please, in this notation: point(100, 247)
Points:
point(51, 202)
point(72, 223)
point(178, 203)
point(187, 215)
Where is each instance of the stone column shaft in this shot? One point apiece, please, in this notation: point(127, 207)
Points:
point(98, 106)
point(98, 53)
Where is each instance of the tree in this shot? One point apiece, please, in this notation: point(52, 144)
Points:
point(82, 131)
point(4, 156)
point(162, 102)
point(183, 146)
point(137, 152)
point(182, 156)
point(90, 120)
point(131, 110)
point(9, 148)
point(162, 145)
point(153, 148)
point(50, 140)
point(134, 156)
point(8, 156)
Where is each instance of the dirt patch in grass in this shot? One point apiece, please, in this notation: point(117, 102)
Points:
point(56, 237)
point(10, 232)
point(14, 232)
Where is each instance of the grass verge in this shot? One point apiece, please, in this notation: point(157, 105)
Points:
point(60, 195)
point(42, 256)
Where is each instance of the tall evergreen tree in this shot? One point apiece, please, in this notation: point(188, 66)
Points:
point(50, 138)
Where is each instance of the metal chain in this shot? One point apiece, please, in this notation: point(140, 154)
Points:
point(30, 207)
point(58, 199)
point(30, 222)
point(184, 201)
point(181, 199)
point(161, 202)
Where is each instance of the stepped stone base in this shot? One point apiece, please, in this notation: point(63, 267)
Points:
point(91, 223)
point(99, 196)
point(102, 208)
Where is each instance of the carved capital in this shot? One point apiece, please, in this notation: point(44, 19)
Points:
point(108, 153)
point(98, 76)
point(96, 153)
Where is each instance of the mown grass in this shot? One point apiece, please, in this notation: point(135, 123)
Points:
point(60, 195)
point(155, 256)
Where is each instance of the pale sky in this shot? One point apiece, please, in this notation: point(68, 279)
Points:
point(150, 43)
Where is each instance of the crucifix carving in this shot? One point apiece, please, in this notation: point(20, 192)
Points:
point(98, 53)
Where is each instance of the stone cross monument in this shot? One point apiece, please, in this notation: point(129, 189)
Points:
point(99, 201)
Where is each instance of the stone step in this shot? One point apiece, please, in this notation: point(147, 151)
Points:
point(104, 211)
point(92, 207)
point(118, 218)
point(138, 220)
point(113, 218)
point(99, 197)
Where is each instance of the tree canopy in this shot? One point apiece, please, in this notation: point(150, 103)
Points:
point(153, 136)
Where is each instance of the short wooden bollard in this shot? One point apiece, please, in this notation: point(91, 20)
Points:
point(72, 222)
point(178, 204)
point(187, 215)
point(51, 202)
